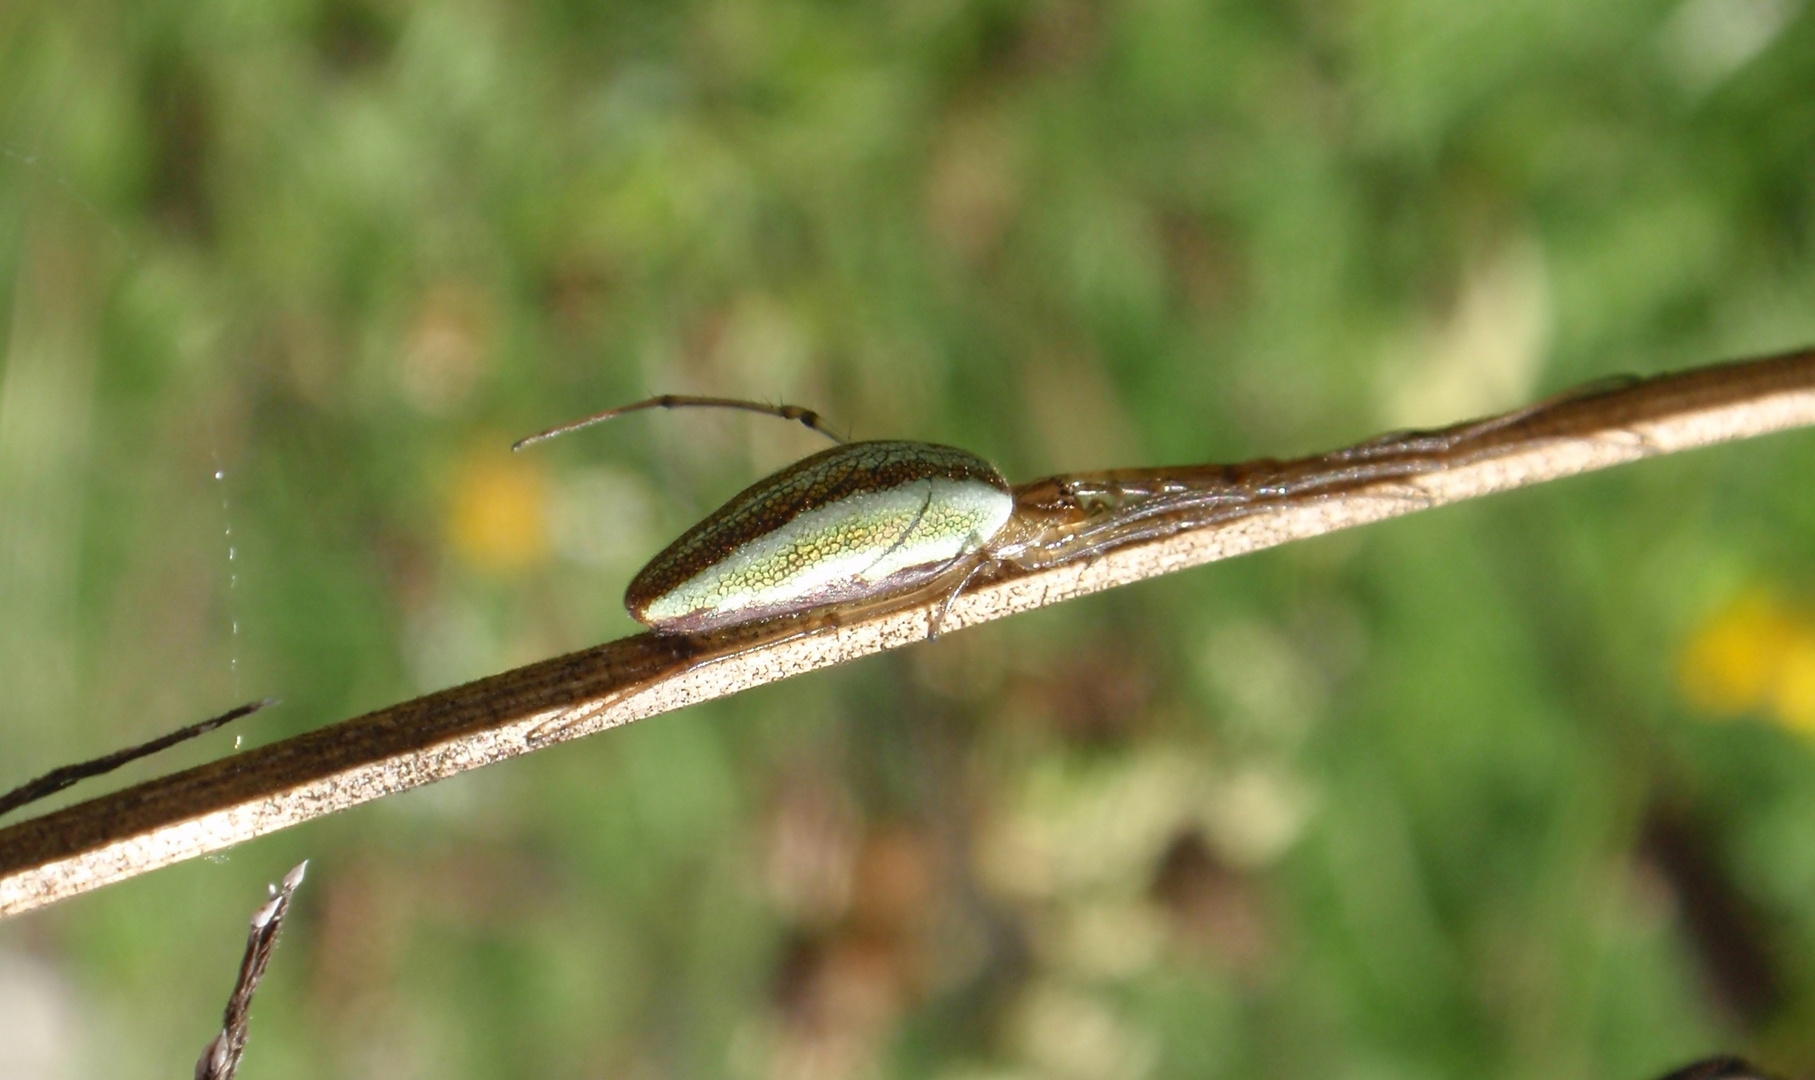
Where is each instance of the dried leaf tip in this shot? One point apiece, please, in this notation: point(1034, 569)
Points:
point(58, 779)
point(221, 1057)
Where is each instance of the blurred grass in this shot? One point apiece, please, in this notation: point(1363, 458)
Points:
point(1515, 789)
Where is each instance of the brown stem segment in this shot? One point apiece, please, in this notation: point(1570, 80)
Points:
point(226, 802)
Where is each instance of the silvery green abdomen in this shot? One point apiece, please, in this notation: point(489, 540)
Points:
point(855, 522)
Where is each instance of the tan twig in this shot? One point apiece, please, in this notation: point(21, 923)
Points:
point(221, 1057)
point(233, 800)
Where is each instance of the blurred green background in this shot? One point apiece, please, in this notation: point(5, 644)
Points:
point(1521, 789)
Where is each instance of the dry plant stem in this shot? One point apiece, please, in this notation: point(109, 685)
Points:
point(221, 1057)
point(227, 802)
point(58, 779)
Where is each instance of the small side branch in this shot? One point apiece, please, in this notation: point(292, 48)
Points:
point(58, 779)
point(227, 802)
point(221, 1057)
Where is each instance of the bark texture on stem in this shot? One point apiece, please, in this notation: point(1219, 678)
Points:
point(226, 802)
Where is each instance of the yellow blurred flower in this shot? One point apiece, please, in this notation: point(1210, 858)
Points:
point(1795, 691)
point(1756, 654)
point(498, 515)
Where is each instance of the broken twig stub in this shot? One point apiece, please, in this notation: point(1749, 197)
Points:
point(221, 1057)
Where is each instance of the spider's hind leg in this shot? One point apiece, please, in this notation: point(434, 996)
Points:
point(935, 625)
